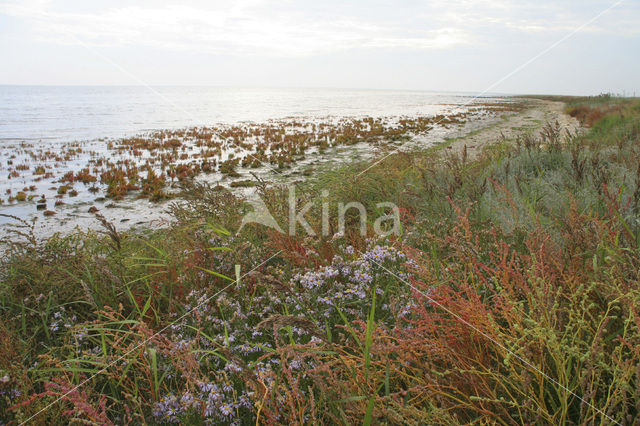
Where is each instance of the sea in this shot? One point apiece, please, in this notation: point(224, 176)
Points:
point(44, 117)
point(72, 113)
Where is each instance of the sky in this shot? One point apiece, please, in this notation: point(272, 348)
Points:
point(499, 46)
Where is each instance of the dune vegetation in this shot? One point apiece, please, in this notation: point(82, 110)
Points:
point(510, 296)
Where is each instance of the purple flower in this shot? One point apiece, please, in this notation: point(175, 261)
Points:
point(226, 410)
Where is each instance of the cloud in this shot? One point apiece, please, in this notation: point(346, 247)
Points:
point(258, 27)
point(247, 28)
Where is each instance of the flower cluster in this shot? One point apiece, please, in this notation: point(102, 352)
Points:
point(215, 403)
point(340, 287)
point(61, 321)
point(325, 296)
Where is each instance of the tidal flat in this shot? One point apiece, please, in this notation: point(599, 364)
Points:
point(132, 180)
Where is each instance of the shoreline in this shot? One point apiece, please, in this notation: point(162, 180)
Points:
point(140, 213)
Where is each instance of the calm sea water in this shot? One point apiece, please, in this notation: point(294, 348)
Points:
point(66, 113)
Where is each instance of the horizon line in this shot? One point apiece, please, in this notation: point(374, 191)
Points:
point(331, 88)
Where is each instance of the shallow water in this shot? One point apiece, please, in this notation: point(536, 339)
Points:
point(65, 114)
point(51, 119)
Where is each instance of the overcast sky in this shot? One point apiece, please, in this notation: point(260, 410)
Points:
point(453, 45)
